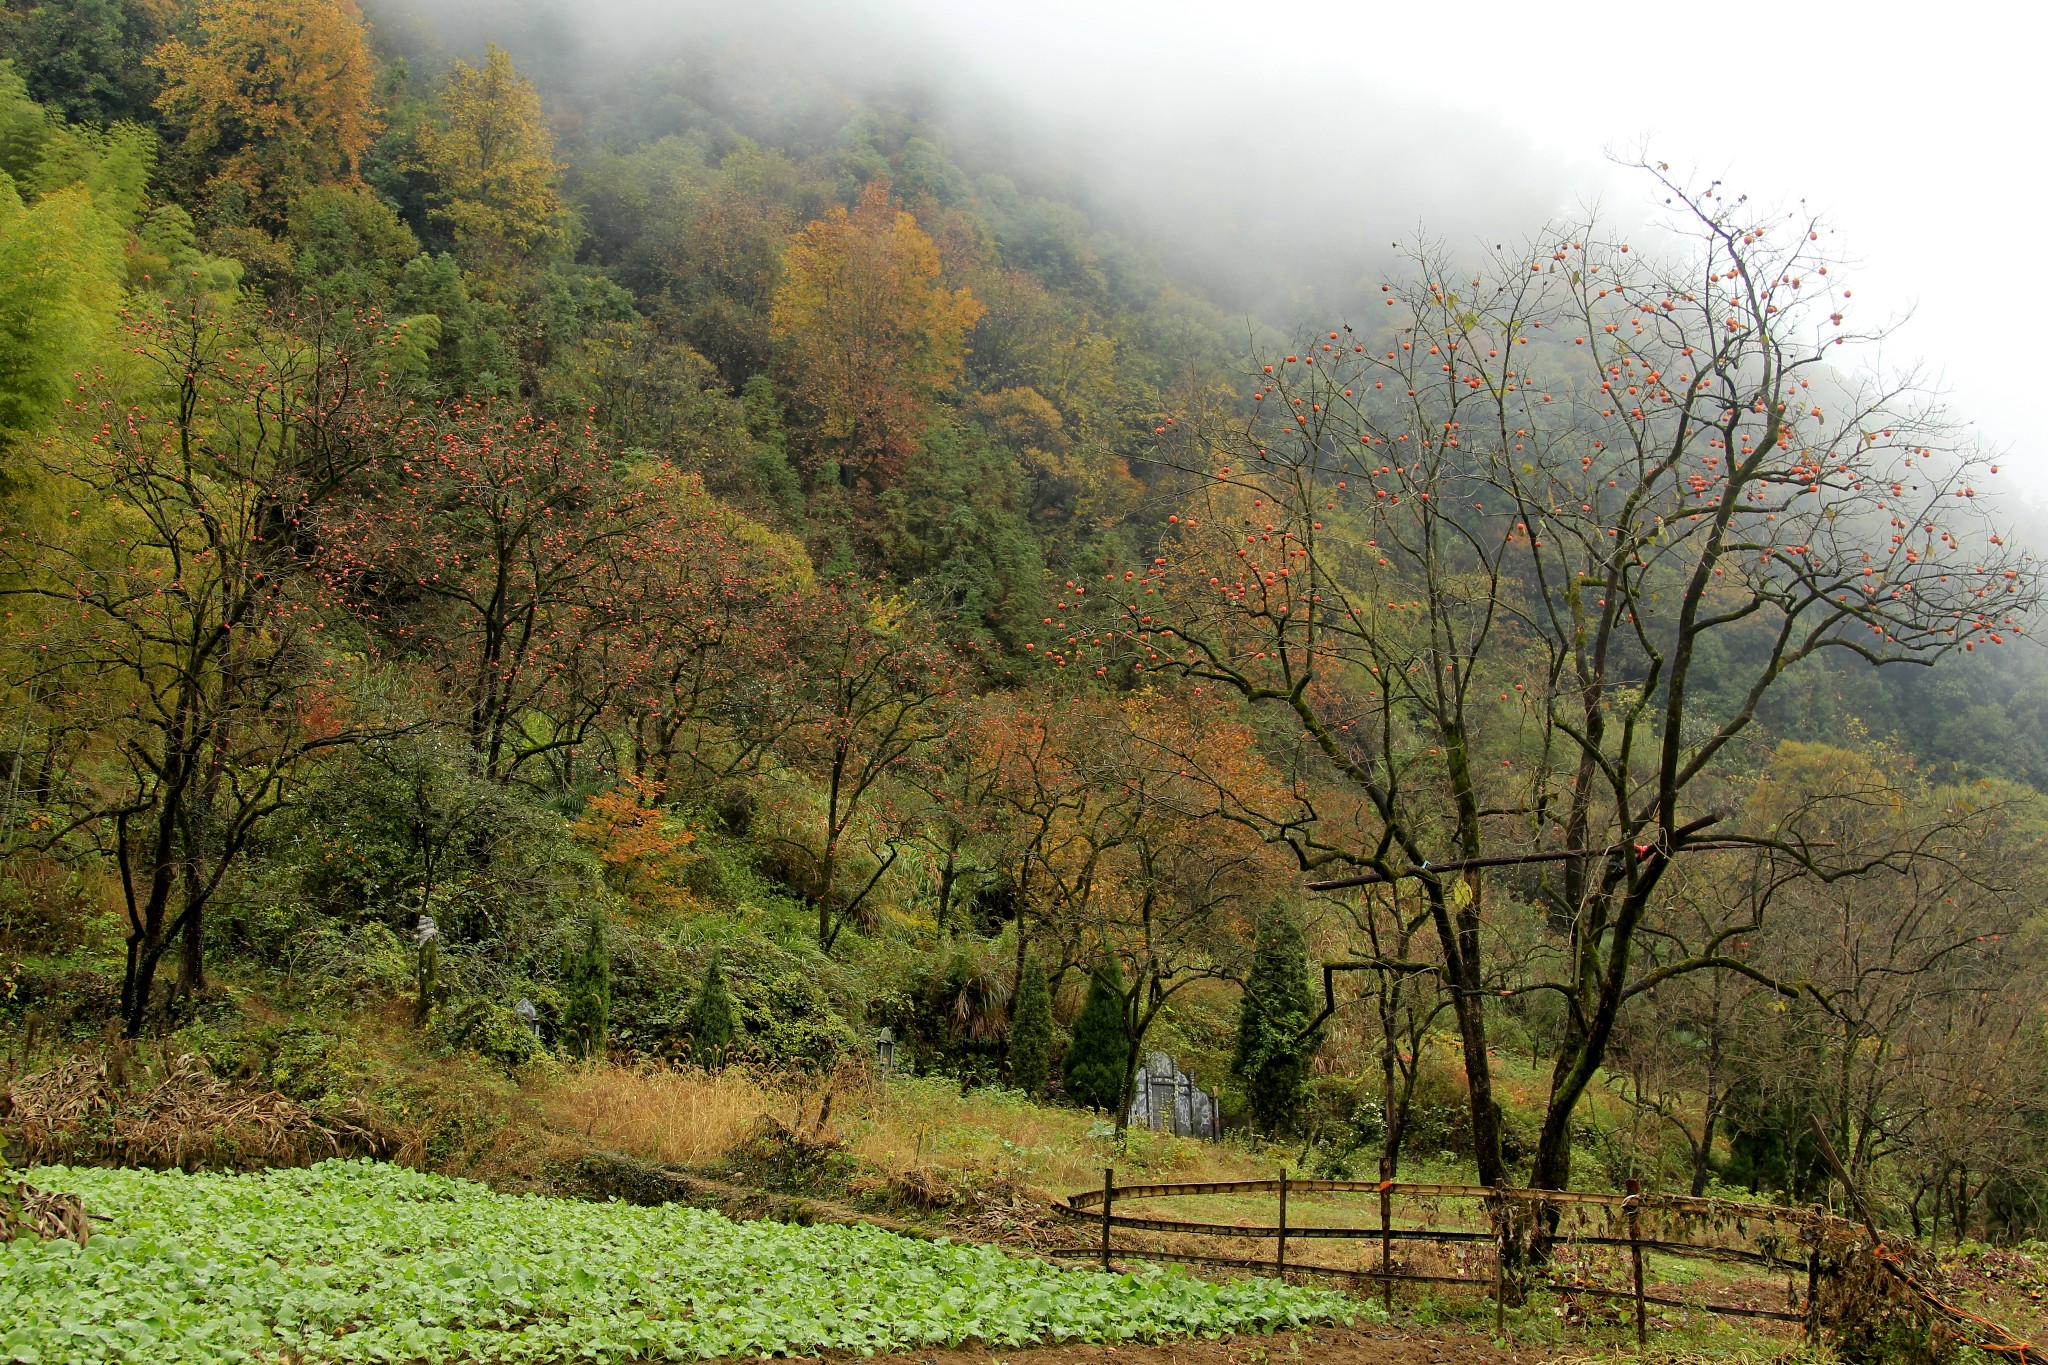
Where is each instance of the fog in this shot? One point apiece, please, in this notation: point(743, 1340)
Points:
point(1272, 154)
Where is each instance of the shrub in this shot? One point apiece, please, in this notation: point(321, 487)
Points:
point(1031, 1033)
point(587, 982)
point(951, 1014)
point(491, 1031)
point(1093, 1074)
point(711, 1018)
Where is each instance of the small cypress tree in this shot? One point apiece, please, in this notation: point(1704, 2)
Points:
point(1272, 1058)
point(1031, 1032)
point(587, 981)
point(711, 1018)
point(1093, 1074)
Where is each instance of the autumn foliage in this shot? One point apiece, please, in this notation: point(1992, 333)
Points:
point(491, 546)
point(871, 333)
point(1516, 568)
point(270, 95)
point(646, 853)
point(703, 565)
point(493, 166)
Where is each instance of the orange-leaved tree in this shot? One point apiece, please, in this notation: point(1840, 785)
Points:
point(269, 96)
point(871, 334)
point(645, 848)
point(1108, 849)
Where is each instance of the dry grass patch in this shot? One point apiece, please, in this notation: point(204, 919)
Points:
point(919, 1134)
point(678, 1117)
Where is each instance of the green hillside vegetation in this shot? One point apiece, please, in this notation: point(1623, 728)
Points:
point(532, 588)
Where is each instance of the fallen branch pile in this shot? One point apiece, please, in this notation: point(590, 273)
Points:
point(182, 1115)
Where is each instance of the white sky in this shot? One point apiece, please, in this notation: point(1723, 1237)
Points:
point(1917, 129)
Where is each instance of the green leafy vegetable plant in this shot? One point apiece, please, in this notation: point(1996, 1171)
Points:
point(358, 1261)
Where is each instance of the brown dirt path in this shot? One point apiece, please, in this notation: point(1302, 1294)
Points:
point(1374, 1345)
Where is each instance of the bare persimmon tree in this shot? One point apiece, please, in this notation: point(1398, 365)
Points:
point(495, 548)
point(858, 696)
point(1510, 569)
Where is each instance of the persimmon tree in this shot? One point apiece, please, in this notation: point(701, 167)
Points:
point(268, 96)
point(492, 546)
point(708, 599)
point(1511, 567)
point(872, 335)
point(864, 699)
point(163, 598)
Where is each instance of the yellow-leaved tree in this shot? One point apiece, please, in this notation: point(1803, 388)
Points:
point(269, 97)
point(494, 166)
point(870, 334)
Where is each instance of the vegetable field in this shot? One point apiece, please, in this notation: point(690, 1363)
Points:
point(355, 1261)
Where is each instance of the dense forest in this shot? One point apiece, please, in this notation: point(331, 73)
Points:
point(701, 545)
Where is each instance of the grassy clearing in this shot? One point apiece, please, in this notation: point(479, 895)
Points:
point(895, 1128)
point(357, 1261)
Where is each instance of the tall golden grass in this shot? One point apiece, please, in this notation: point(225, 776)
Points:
point(893, 1125)
point(678, 1117)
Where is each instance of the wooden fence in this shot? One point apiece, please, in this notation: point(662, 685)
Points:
point(1766, 1236)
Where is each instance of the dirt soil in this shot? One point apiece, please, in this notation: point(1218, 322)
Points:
point(1321, 1346)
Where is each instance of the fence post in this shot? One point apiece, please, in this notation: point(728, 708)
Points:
point(1635, 1254)
point(1386, 1236)
point(1108, 1191)
point(1812, 1323)
point(1280, 1255)
point(1503, 1228)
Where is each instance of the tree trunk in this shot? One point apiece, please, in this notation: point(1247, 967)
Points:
point(147, 904)
point(1017, 969)
point(828, 867)
point(1703, 1156)
point(191, 958)
point(1470, 1010)
point(1460, 943)
point(1390, 1104)
point(946, 879)
point(135, 992)
point(1129, 1092)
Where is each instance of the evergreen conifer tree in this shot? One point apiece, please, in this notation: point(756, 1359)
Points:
point(1031, 1032)
point(1272, 1058)
point(587, 981)
point(1093, 1075)
point(711, 1018)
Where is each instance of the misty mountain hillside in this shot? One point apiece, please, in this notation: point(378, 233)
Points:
point(786, 617)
